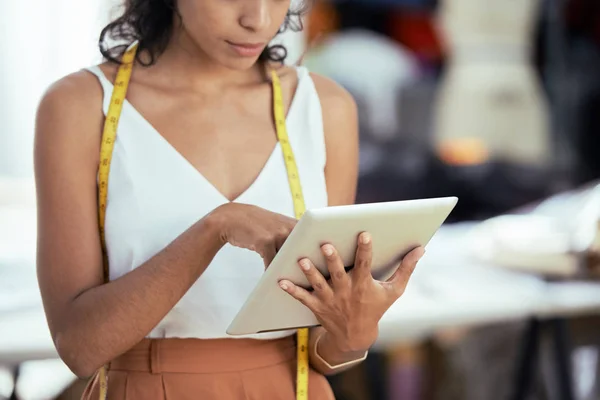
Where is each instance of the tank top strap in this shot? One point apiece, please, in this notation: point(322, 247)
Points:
point(307, 116)
point(107, 86)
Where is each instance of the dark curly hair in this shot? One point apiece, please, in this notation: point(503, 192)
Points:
point(150, 22)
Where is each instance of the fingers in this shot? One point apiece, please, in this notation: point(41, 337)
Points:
point(362, 261)
point(300, 294)
point(335, 265)
point(321, 288)
point(397, 283)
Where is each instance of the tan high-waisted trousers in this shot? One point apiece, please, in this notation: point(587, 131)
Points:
point(197, 369)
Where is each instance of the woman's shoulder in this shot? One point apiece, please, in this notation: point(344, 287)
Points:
point(78, 93)
point(70, 111)
point(334, 98)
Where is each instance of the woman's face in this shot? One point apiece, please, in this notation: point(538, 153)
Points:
point(232, 32)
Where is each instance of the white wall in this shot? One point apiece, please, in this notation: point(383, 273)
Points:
point(40, 41)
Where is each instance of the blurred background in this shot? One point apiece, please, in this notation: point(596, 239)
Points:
point(496, 102)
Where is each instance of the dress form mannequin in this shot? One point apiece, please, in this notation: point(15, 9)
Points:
point(490, 103)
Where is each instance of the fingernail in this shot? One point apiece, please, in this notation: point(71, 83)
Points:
point(304, 264)
point(328, 250)
point(283, 285)
point(365, 238)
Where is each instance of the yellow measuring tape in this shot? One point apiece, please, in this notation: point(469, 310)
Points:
point(299, 208)
point(109, 136)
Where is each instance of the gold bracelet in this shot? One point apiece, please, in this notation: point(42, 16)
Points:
point(338, 366)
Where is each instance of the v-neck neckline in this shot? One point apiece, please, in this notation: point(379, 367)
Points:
point(195, 171)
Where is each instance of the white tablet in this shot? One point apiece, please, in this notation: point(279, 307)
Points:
point(395, 227)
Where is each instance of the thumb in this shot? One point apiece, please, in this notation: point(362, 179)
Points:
point(397, 283)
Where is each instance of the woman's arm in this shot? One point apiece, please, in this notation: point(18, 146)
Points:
point(91, 322)
point(340, 123)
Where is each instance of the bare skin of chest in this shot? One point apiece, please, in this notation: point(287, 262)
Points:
point(227, 137)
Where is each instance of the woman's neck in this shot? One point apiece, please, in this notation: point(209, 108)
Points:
point(190, 67)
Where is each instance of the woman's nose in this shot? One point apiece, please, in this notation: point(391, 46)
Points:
point(255, 15)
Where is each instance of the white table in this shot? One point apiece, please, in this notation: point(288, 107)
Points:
point(449, 289)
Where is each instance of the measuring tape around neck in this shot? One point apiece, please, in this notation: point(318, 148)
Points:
point(109, 136)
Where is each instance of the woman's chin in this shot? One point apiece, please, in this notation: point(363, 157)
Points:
point(237, 62)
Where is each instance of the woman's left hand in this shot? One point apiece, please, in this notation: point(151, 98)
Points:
point(350, 305)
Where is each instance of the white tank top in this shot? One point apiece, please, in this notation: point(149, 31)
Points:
point(155, 194)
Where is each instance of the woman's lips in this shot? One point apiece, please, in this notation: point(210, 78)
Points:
point(247, 49)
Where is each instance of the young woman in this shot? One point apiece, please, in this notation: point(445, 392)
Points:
point(199, 203)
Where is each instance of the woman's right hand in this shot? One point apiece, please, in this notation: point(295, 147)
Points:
point(253, 228)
